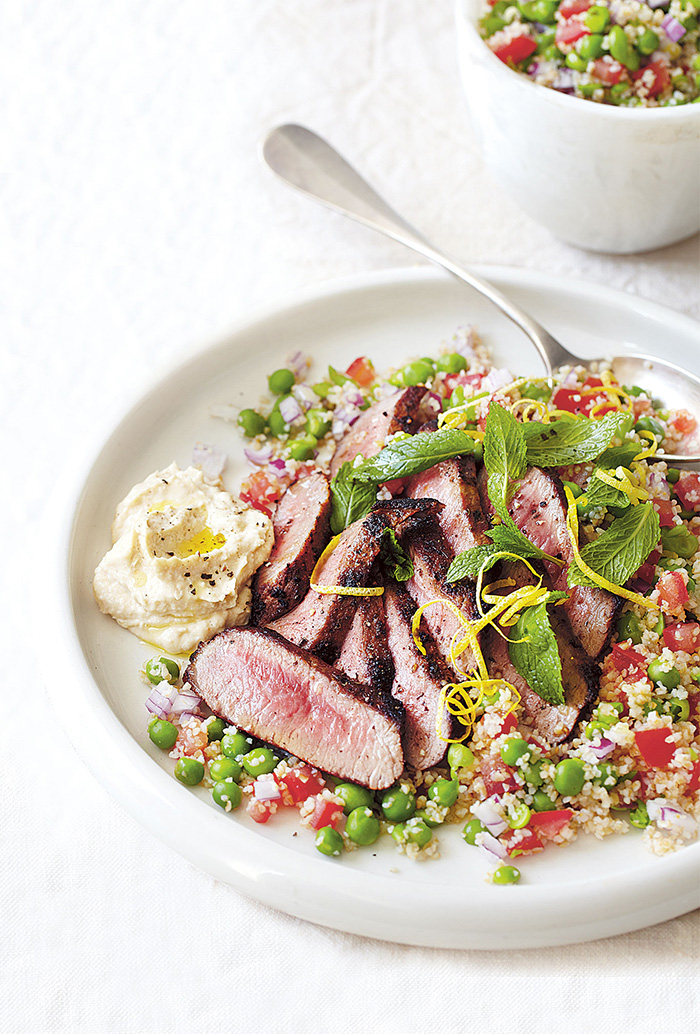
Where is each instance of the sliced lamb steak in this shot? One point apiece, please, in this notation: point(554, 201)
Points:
point(302, 528)
point(320, 622)
point(453, 482)
point(417, 683)
point(399, 412)
point(538, 507)
point(266, 686)
point(431, 556)
point(365, 655)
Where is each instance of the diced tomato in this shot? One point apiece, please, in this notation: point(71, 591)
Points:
point(262, 490)
point(664, 508)
point(549, 823)
point(516, 49)
point(362, 371)
point(453, 380)
point(498, 778)
point(655, 78)
point(569, 31)
point(683, 422)
point(508, 723)
point(609, 72)
point(261, 811)
point(521, 841)
point(688, 490)
point(694, 781)
point(301, 782)
point(191, 738)
point(682, 635)
point(573, 400)
point(624, 658)
point(325, 813)
point(673, 589)
point(654, 746)
point(304, 469)
point(569, 7)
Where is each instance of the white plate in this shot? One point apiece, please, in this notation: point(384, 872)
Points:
point(589, 890)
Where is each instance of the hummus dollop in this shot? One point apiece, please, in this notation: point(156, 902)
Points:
point(183, 556)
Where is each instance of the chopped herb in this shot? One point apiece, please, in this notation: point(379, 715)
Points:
point(534, 652)
point(413, 454)
point(394, 559)
point(350, 499)
point(571, 441)
point(622, 549)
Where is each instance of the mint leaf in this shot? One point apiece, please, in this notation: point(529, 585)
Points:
point(396, 561)
point(620, 455)
point(414, 454)
point(471, 561)
point(515, 542)
point(571, 441)
point(536, 658)
point(622, 548)
point(599, 493)
point(504, 456)
point(350, 499)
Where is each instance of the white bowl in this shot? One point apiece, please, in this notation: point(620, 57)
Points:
point(604, 178)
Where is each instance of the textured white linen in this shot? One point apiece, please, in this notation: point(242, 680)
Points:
point(137, 223)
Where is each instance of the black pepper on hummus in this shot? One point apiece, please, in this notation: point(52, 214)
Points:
point(183, 554)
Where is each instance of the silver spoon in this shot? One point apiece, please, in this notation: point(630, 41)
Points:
point(307, 162)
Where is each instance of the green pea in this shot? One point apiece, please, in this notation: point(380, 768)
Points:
point(647, 42)
point(569, 777)
point(690, 23)
point(491, 23)
point(278, 425)
point(398, 805)
point(606, 774)
point(189, 771)
point(679, 709)
point(459, 758)
point(622, 50)
point(518, 815)
point(640, 816)
point(225, 768)
point(590, 47)
point(617, 92)
point(597, 18)
point(451, 363)
point(538, 10)
point(575, 61)
point(587, 89)
point(303, 448)
point(215, 729)
point(506, 874)
point(236, 743)
point(545, 42)
point(669, 679)
point(551, 53)
point(322, 388)
point(648, 423)
point(418, 832)
point(430, 820)
point(161, 669)
point(679, 540)
point(329, 842)
point(660, 625)
point(227, 794)
point(532, 774)
point(280, 382)
point(542, 801)
point(672, 475)
point(251, 422)
point(472, 830)
point(353, 796)
point(418, 372)
point(162, 733)
point(444, 792)
point(318, 422)
point(362, 826)
point(259, 761)
point(513, 749)
point(630, 627)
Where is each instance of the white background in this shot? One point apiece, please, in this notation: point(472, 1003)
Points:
point(136, 224)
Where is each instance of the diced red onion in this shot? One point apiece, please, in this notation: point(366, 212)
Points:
point(490, 816)
point(258, 457)
point(186, 700)
point(603, 749)
point(465, 347)
point(669, 817)
point(297, 363)
point(659, 486)
point(639, 585)
point(354, 397)
point(673, 28)
point(570, 380)
point(210, 461)
point(278, 468)
point(187, 716)
point(496, 379)
point(266, 790)
point(305, 396)
point(159, 703)
point(385, 390)
point(656, 3)
point(290, 409)
point(490, 846)
point(432, 403)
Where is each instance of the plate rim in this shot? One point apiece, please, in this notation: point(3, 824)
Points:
point(145, 784)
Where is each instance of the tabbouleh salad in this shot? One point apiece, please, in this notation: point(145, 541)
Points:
point(633, 760)
point(622, 52)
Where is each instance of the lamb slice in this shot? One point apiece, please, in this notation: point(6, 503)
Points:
point(365, 655)
point(431, 556)
point(453, 482)
point(538, 507)
point(398, 412)
point(287, 697)
point(302, 528)
point(320, 622)
point(418, 682)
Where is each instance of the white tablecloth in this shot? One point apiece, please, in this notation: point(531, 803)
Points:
point(138, 222)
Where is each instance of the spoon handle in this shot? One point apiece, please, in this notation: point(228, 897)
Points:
point(308, 163)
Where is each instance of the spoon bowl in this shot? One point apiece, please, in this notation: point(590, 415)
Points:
point(305, 161)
